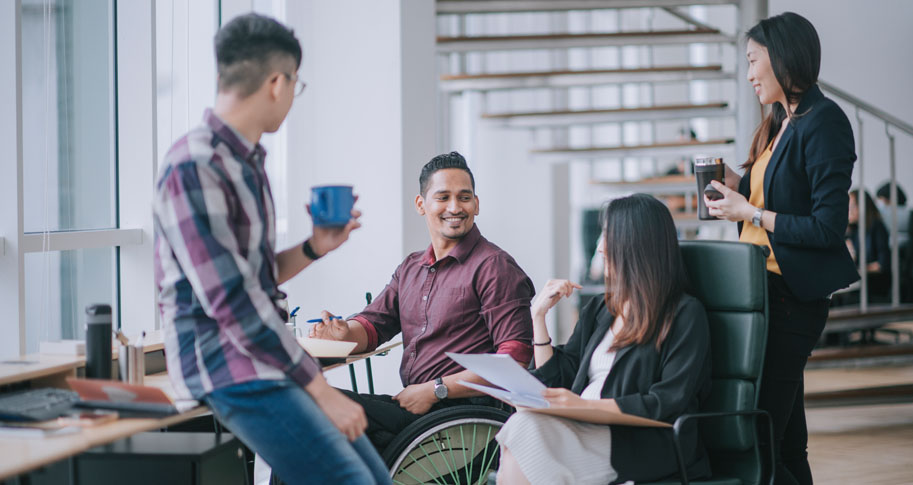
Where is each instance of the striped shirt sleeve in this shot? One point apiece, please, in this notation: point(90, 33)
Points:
point(194, 208)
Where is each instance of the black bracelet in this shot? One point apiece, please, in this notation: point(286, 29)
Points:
point(543, 343)
point(309, 251)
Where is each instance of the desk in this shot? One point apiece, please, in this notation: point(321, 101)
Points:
point(21, 455)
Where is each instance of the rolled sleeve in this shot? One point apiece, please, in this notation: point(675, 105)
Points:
point(193, 211)
point(522, 352)
point(505, 293)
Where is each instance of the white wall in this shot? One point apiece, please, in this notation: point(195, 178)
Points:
point(866, 51)
point(367, 118)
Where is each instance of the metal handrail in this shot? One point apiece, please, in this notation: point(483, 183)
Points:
point(882, 115)
point(889, 121)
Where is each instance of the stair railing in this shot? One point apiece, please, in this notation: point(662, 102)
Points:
point(891, 125)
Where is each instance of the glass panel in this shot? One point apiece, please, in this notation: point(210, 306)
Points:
point(58, 287)
point(68, 115)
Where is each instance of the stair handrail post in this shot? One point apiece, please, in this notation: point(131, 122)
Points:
point(861, 222)
point(895, 227)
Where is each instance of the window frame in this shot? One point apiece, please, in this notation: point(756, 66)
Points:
point(134, 85)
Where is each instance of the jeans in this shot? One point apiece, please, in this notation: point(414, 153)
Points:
point(280, 421)
point(795, 327)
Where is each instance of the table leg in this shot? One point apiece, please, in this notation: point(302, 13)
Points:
point(352, 376)
point(370, 376)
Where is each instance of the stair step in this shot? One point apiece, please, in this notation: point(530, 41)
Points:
point(619, 115)
point(567, 78)
point(565, 41)
point(682, 148)
point(864, 396)
point(503, 6)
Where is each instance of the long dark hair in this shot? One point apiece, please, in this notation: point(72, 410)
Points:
point(795, 57)
point(871, 210)
point(645, 273)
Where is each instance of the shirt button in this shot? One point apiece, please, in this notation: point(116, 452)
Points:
point(425, 298)
point(433, 270)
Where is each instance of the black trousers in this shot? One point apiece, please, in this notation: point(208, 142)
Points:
point(386, 418)
point(794, 328)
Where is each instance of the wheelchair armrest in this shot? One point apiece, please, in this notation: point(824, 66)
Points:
point(680, 422)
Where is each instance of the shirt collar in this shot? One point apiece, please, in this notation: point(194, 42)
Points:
point(459, 252)
point(239, 146)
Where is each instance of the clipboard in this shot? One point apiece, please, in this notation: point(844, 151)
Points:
point(524, 393)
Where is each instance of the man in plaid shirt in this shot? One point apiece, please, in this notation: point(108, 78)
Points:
point(218, 273)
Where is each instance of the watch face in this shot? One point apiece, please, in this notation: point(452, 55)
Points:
point(440, 391)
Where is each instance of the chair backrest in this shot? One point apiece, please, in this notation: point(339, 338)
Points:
point(730, 279)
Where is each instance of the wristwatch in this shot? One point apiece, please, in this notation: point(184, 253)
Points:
point(440, 389)
point(756, 218)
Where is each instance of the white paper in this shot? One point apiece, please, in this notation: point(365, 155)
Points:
point(503, 371)
point(326, 348)
point(512, 398)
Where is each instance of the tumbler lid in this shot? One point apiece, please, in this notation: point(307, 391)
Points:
point(701, 161)
point(98, 309)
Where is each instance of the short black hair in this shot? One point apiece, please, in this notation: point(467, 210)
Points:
point(248, 48)
point(440, 162)
point(884, 192)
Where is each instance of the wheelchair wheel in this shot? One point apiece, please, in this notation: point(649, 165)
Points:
point(450, 446)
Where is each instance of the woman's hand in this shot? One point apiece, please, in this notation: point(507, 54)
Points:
point(562, 398)
point(732, 207)
point(553, 291)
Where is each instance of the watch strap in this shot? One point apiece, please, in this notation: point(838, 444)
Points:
point(309, 251)
point(756, 218)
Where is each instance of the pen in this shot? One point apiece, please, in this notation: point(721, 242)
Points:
point(318, 320)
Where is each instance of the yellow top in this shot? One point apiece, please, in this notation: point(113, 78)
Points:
point(750, 233)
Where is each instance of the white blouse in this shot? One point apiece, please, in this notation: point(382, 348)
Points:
point(600, 365)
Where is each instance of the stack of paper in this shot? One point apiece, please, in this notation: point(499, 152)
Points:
point(520, 389)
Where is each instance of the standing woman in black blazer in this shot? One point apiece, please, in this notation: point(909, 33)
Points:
point(644, 349)
point(793, 199)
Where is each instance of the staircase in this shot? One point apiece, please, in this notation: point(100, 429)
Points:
point(672, 73)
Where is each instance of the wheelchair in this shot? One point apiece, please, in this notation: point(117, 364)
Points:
point(454, 445)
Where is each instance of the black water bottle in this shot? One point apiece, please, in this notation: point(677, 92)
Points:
point(98, 341)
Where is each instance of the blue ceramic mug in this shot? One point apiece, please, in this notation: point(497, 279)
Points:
point(331, 205)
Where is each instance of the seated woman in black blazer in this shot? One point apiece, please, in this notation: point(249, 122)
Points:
point(643, 350)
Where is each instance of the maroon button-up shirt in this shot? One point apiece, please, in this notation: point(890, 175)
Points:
point(474, 300)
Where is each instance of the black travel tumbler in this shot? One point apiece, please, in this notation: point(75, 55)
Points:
point(98, 342)
point(705, 170)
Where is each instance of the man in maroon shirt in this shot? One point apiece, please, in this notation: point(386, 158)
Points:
point(462, 294)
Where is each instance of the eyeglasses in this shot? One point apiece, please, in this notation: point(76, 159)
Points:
point(299, 84)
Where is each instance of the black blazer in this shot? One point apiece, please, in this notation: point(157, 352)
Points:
point(659, 385)
point(807, 184)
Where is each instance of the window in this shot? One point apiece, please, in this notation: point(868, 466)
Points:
point(68, 161)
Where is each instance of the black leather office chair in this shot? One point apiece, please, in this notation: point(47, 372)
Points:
point(730, 279)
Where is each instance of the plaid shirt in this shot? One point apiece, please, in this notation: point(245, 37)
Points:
point(215, 266)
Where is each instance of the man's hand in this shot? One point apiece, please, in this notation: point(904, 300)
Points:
point(326, 239)
point(417, 398)
point(347, 415)
point(331, 328)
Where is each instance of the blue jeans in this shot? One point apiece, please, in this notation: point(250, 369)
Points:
point(280, 421)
